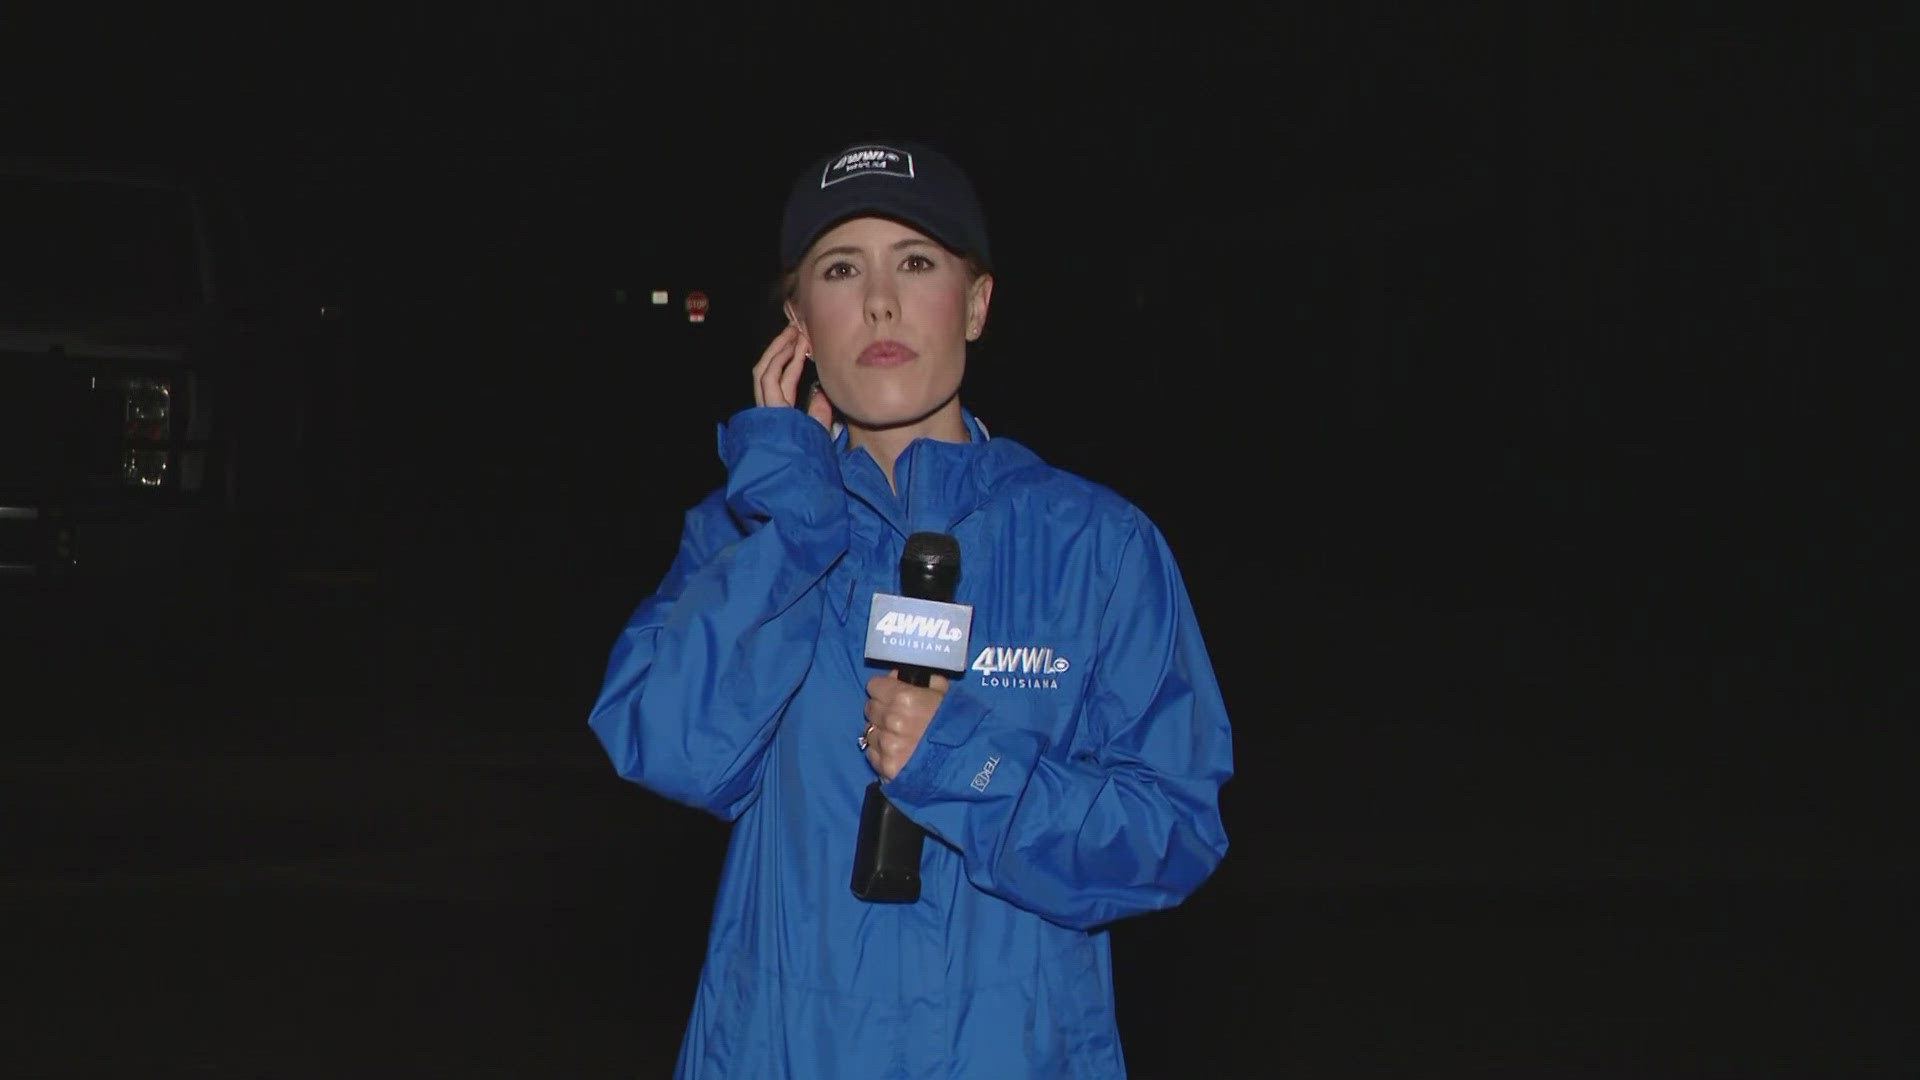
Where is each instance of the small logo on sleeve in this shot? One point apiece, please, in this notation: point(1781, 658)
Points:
point(985, 776)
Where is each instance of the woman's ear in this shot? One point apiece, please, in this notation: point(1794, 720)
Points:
point(792, 316)
point(979, 297)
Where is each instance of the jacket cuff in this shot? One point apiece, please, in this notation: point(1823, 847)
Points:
point(775, 423)
point(960, 755)
point(780, 460)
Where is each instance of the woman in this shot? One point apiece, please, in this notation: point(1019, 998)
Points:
point(1067, 779)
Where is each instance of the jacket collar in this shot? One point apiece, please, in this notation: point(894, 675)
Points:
point(941, 483)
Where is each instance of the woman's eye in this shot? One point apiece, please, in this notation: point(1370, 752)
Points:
point(838, 270)
point(919, 262)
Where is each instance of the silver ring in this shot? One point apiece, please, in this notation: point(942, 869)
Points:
point(863, 738)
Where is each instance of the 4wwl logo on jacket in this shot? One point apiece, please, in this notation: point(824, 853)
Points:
point(1027, 667)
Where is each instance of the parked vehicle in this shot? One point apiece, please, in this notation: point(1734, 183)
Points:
point(146, 410)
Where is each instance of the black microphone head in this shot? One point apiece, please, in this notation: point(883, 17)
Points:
point(932, 548)
point(930, 567)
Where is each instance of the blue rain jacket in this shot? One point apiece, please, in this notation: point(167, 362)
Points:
point(1069, 778)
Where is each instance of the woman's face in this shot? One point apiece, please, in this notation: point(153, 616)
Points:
point(887, 312)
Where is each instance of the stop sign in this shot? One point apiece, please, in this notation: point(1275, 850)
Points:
point(696, 307)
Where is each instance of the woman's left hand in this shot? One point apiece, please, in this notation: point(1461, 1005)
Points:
point(897, 715)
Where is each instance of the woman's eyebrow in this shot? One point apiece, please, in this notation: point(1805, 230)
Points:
point(850, 249)
point(844, 249)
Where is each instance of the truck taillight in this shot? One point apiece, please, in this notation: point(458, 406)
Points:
point(149, 410)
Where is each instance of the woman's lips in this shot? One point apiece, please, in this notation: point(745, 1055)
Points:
point(885, 354)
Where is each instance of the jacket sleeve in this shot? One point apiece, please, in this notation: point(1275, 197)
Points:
point(703, 670)
point(1128, 827)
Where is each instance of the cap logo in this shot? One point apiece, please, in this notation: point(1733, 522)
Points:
point(868, 161)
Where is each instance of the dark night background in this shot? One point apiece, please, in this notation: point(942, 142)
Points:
point(1515, 388)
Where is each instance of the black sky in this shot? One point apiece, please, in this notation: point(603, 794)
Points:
point(1563, 324)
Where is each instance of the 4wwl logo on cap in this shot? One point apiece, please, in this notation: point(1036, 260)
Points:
point(868, 161)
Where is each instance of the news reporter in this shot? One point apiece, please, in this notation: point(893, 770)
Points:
point(1069, 778)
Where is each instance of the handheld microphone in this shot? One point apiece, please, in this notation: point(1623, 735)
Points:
point(886, 863)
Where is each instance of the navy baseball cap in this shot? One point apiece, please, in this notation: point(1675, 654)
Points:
point(906, 181)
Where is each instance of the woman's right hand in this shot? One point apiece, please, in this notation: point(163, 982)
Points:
point(776, 378)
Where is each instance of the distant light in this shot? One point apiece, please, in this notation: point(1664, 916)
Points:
point(660, 296)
